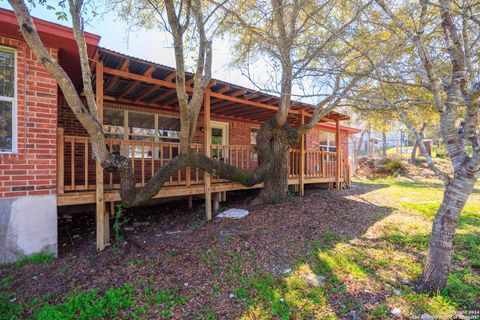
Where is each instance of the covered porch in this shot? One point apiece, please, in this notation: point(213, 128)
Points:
point(138, 104)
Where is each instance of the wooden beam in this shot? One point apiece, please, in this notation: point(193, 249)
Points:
point(250, 112)
point(147, 92)
point(60, 161)
point(206, 147)
point(125, 64)
point(216, 201)
point(264, 99)
point(102, 221)
point(114, 79)
point(224, 89)
point(302, 159)
point(149, 71)
point(170, 77)
point(129, 88)
point(337, 145)
point(222, 104)
point(251, 96)
point(167, 84)
point(164, 95)
point(238, 93)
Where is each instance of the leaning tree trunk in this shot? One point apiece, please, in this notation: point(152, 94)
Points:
point(437, 267)
point(413, 156)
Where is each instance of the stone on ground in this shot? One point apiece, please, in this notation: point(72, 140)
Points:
point(233, 213)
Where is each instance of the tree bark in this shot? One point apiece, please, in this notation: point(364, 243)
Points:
point(413, 156)
point(273, 146)
point(437, 267)
point(384, 144)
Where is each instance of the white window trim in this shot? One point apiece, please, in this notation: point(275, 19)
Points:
point(14, 104)
point(329, 145)
point(224, 126)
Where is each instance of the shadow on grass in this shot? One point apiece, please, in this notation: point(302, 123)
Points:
point(315, 288)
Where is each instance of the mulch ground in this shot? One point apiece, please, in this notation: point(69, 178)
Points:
point(172, 243)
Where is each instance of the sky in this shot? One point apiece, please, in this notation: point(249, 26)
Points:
point(150, 45)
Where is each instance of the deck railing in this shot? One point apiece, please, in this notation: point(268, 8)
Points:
point(77, 170)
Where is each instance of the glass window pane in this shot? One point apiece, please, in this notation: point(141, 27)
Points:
point(253, 135)
point(168, 129)
point(6, 126)
point(7, 73)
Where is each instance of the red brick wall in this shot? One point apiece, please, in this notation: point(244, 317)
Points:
point(313, 138)
point(67, 120)
point(32, 171)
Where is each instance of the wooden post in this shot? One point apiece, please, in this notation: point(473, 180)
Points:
point(337, 145)
point(206, 144)
point(101, 214)
point(216, 201)
point(302, 158)
point(60, 161)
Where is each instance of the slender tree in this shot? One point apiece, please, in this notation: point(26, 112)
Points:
point(180, 17)
point(439, 40)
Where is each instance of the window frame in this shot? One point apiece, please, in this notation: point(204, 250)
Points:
point(329, 144)
point(14, 102)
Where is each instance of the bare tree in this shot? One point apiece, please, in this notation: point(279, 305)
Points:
point(180, 16)
point(305, 44)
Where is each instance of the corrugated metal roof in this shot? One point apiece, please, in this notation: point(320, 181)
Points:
point(113, 59)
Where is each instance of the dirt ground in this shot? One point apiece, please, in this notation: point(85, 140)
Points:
point(179, 250)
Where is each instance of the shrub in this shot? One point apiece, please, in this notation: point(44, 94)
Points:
point(395, 166)
point(441, 152)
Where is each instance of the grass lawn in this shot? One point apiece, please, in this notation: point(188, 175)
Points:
point(352, 270)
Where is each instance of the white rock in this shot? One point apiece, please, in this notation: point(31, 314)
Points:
point(426, 316)
point(174, 232)
point(233, 213)
point(315, 280)
point(186, 284)
point(287, 271)
point(405, 281)
point(397, 292)
point(282, 299)
point(396, 311)
point(231, 296)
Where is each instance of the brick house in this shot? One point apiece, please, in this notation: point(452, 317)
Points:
point(45, 155)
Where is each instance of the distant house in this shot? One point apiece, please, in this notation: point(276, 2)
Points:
point(46, 159)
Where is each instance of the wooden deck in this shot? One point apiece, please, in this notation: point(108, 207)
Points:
point(77, 178)
point(81, 180)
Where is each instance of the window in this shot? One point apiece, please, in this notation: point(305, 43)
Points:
point(327, 141)
point(253, 135)
point(141, 126)
point(8, 112)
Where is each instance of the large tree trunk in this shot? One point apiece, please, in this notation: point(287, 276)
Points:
point(273, 146)
point(276, 183)
point(437, 267)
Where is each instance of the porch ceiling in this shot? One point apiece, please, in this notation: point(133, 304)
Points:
point(136, 81)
